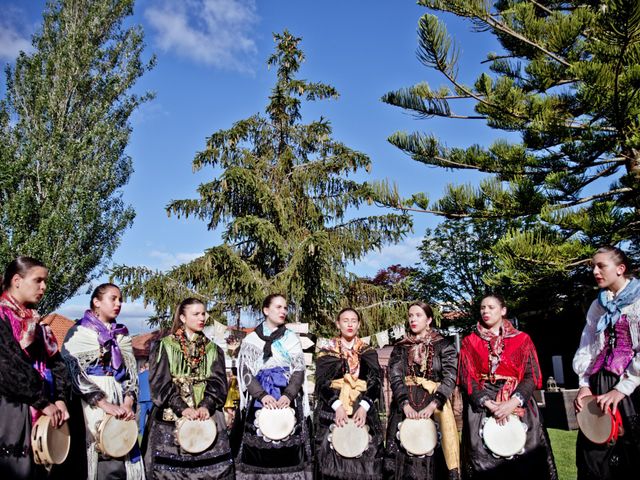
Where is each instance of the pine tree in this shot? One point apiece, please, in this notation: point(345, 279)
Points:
point(282, 197)
point(567, 82)
point(64, 127)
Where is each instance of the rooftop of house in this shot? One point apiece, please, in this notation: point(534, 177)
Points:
point(59, 324)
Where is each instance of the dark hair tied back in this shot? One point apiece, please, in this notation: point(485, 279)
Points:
point(426, 308)
point(498, 297)
point(177, 323)
point(619, 257)
point(99, 291)
point(349, 309)
point(19, 266)
point(269, 298)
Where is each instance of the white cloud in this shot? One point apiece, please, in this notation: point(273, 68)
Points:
point(213, 32)
point(168, 259)
point(14, 36)
point(404, 253)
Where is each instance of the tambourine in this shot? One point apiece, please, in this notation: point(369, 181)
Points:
point(50, 445)
point(195, 436)
point(504, 441)
point(599, 427)
point(116, 437)
point(275, 424)
point(418, 436)
point(349, 441)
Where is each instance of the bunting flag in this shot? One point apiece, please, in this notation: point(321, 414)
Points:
point(299, 328)
point(382, 338)
point(219, 331)
point(306, 342)
point(396, 333)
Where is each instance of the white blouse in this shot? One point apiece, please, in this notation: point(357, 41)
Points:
point(592, 343)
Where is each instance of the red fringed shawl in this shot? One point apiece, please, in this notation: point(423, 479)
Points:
point(518, 355)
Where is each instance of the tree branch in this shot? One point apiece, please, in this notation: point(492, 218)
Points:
point(492, 21)
point(541, 7)
point(597, 196)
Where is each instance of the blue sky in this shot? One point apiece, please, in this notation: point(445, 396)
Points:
point(211, 71)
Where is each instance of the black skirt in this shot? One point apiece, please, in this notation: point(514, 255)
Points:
point(165, 460)
point(330, 465)
point(16, 457)
point(287, 459)
point(622, 459)
point(400, 465)
point(478, 463)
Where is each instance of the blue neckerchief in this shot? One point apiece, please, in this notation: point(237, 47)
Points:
point(613, 307)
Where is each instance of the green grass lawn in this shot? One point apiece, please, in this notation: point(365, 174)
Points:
point(563, 443)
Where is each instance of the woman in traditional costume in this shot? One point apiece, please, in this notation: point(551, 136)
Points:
point(498, 373)
point(188, 380)
point(422, 374)
point(271, 375)
point(608, 366)
point(104, 374)
point(347, 386)
point(33, 376)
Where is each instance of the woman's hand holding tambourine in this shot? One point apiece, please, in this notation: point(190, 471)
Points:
point(63, 409)
point(409, 411)
point(112, 409)
point(190, 413)
point(610, 400)
point(54, 413)
point(427, 411)
point(269, 402)
point(360, 417)
point(341, 416)
point(203, 413)
point(127, 404)
point(501, 410)
point(583, 392)
point(283, 402)
point(504, 409)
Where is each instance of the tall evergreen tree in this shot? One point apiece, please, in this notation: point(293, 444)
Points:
point(64, 127)
point(567, 81)
point(282, 196)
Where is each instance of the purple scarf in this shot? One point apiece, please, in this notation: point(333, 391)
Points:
point(106, 336)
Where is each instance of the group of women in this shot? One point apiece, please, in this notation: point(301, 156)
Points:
point(496, 371)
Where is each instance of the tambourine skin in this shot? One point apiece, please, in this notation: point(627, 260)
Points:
point(418, 436)
point(275, 424)
point(50, 445)
point(504, 441)
point(349, 441)
point(116, 437)
point(195, 436)
point(599, 427)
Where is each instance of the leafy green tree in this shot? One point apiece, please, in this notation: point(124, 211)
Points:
point(64, 127)
point(382, 300)
point(456, 256)
point(566, 83)
point(282, 197)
